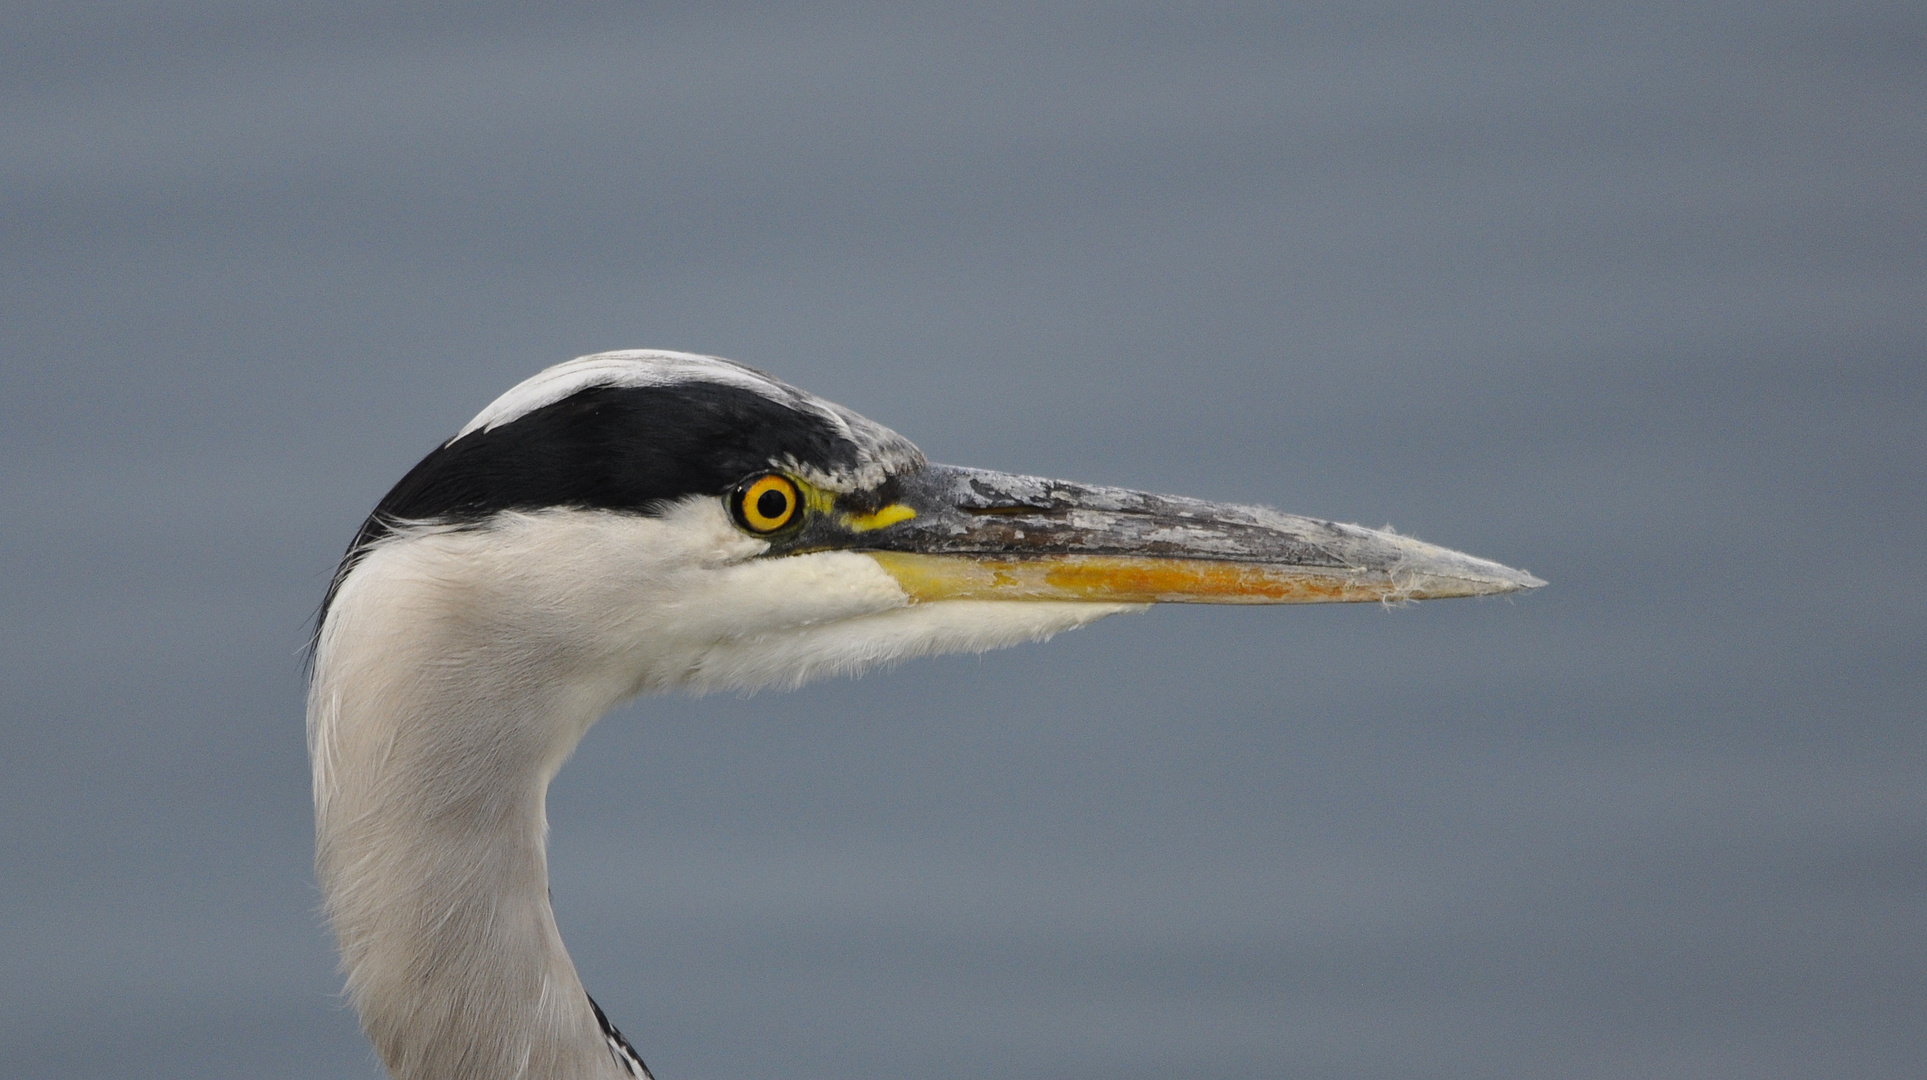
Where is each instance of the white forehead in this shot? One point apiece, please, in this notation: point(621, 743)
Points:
point(628, 367)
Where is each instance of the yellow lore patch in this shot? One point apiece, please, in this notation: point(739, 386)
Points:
point(889, 515)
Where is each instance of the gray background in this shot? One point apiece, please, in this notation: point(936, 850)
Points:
point(1629, 295)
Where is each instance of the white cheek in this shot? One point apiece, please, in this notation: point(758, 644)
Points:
point(792, 619)
point(621, 604)
point(761, 596)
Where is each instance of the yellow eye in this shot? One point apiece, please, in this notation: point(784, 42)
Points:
point(765, 504)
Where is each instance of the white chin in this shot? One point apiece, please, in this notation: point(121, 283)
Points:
point(796, 655)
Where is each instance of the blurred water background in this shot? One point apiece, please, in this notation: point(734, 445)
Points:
point(1629, 295)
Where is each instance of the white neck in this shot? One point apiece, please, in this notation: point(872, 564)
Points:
point(456, 671)
point(430, 852)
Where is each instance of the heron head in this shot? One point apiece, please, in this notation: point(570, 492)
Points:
point(683, 520)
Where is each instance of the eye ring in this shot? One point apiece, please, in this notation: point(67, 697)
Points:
point(766, 503)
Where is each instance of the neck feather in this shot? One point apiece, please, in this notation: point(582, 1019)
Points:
point(457, 669)
point(432, 756)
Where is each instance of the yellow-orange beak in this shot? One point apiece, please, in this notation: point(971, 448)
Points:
point(951, 533)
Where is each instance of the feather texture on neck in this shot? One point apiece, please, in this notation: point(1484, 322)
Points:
point(457, 669)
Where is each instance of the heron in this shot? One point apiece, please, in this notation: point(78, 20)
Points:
point(643, 521)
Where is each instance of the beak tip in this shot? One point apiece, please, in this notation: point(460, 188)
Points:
point(1505, 579)
point(1443, 571)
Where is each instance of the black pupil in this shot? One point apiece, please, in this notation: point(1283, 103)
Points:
point(772, 504)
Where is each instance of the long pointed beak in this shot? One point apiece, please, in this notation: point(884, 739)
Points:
point(955, 533)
